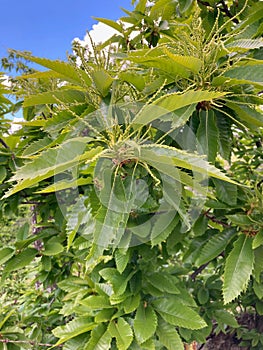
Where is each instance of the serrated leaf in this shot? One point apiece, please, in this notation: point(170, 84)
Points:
point(52, 162)
point(192, 63)
point(258, 266)
point(121, 330)
point(215, 245)
point(72, 329)
point(168, 336)
point(258, 240)
point(63, 185)
point(145, 323)
point(53, 97)
point(238, 268)
point(247, 44)
point(250, 116)
point(121, 259)
point(177, 313)
point(20, 260)
point(161, 156)
point(172, 102)
point(118, 281)
point(69, 72)
point(100, 339)
point(36, 147)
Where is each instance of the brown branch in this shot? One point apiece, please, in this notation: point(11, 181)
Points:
point(214, 219)
point(227, 12)
point(6, 341)
point(4, 144)
point(199, 270)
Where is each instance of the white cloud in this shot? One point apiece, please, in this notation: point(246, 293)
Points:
point(5, 80)
point(99, 33)
point(15, 127)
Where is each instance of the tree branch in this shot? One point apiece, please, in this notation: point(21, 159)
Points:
point(3, 143)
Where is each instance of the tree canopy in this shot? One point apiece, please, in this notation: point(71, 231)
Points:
point(137, 175)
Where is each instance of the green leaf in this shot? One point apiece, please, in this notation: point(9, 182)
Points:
point(121, 330)
point(100, 339)
point(172, 102)
point(5, 254)
point(63, 185)
point(215, 245)
point(77, 215)
point(145, 323)
point(113, 24)
point(68, 71)
point(135, 79)
point(247, 44)
point(258, 266)
point(164, 282)
point(160, 156)
point(207, 135)
point(102, 81)
point(258, 240)
point(250, 116)
point(20, 260)
point(95, 302)
point(119, 281)
point(225, 317)
point(3, 173)
point(192, 63)
point(54, 97)
point(36, 147)
point(72, 329)
point(163, 226)
point(238, 268)
point(53, 247)
point(168, 336)
point(52, 162)
point(121, 259)
point(249, 73)
point(130, 304)
point(226, 192)
point(176, 313)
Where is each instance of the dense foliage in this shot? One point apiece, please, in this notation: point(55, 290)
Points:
point(137, 175)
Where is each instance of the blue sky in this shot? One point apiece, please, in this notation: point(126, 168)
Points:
point(46, 28)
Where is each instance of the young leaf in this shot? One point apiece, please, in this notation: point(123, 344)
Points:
point(238, 268)
point(145, 323)
point(53, 247)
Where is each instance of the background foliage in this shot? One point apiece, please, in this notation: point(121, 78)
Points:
point(137, 180)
